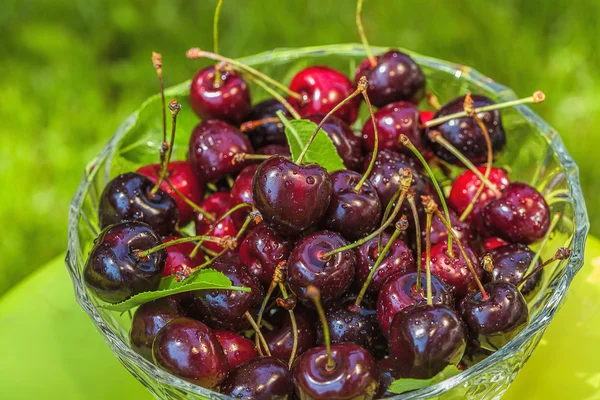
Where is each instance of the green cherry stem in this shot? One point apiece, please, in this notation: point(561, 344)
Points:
point(294, 327)
point(362, 86)
point(216, 39)
point(415, 214)
point(146, 253)
point(363, 36)
point(428, 218)
point(314, 293)
point(157, 64)
point(388, 210)
point(376, 145)
point(538, 253)
point(406, 141)
point(174, 108)
point(251, 125)
point(276, 95)
point(258, 333)
point(277, 277)
point(537, 97)
point(561, 254)
point(189, 202)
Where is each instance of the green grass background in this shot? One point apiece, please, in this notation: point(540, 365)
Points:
point(72, 70)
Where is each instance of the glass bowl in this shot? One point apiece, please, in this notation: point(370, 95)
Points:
point(534, 154)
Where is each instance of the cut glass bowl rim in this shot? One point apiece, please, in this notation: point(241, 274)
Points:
point(537, 324)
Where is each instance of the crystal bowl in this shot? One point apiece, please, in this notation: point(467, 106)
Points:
point(534, 154)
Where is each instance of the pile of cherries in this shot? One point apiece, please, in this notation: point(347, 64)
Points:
point(351, 247)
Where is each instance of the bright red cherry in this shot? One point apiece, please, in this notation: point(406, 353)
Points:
point(493, 242)
point(229, 100)
point(178, 257)
point(348, 146)
point(237, 348)
point(241, 192)
point(426, 116)
point(216, 205)
point(322, 88)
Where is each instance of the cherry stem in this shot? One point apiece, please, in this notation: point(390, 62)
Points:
point(189, 202)
point(263, 306)
point(386, 213)
point(216, 40)
point(537, 97)
point(433, 101)
point(363, 36)
point(401, 226)
point(361, 87)
point(174, 108)
point(251, 125)
point(437, 212)
point(146, 253)
point(294, 327)
point(157, 64)
point(403, 190)
point(375, 147)
point(538, 253)
point(276, 95)
point(468, 105)
point(241, 157)
point(258, 332)
point(561, 254)
point(415, 213)
point(315, 294)
point(436, 136)
point(195, 53)
point(406, 141)
point(428, 257)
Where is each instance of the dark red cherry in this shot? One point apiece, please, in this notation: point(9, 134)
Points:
point(464, 133)
point(266, 133)
point(178, 257)
point(228, 100)
point(291, 198)
point(355, 375)
point(387, 375)
point(439, 232)
point(453, 270)
point(265, 378)
point(393, 120)
point(400, 292)
point(398, 261)
point(520, 215)
point(353, 214)
point(493, 322)
point(306, 266)
point(262, 250)
point(281, 340)
point(493, 242)
point(216, 204)
point(511, 263)
point(241, 192)
point(237, 348)
point(182, 178)
point(348, 146)
point(426, 339)
point(149, 319)
point(129, 197)
point(275, 150)
point(190, 350)
point(114, 271)
point(213, 145)
point(396, 77)
point(322, 88)
point(225, 309)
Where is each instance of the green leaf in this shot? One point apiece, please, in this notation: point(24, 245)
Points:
point(203, 279)
point(322, 151)
point(400, 386)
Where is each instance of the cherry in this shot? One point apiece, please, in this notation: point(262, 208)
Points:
point(241, 192)
point(398, 261)
point(181, 176)
point(453, 270)
point(129, 197)
point(353, 214)
point(348, 146)
point(275, 150)
point(392, 121)
point(354, 375)
point(464, 133)
point(216, 204)
point(212, 146)
point(424, 339)
point(281, 340)
point(226, 309)
point(149, 319)
point(189, 349)
point(520, 215)
point(493, 322)
point(264, 378)
point(426, 116)
point(400, 292)
point(332, 276)
point(228, 100)
point(511, 263)
point(114, 272)
point(262, 250)
point(179, 260)
point(493, 242)
point(322, 88)
point(396, 77)
point(237, 348)
point(439, 232)
point(290, 197)
point(267, 133)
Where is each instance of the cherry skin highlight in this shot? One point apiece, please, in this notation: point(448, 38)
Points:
point(237, 348)
point(216, 204)
point(511, 263)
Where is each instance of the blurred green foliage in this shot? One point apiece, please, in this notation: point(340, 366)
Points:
point(72, 70)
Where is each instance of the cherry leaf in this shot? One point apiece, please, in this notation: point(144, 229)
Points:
point(404, 385)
